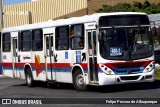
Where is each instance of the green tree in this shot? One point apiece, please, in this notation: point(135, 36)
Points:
point(146, 6)
point(105, 8)
point(137, 4)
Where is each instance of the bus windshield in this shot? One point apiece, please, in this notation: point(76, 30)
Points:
point(129, 43)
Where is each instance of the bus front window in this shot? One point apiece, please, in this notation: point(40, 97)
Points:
point(142, 46)
point(125, 43)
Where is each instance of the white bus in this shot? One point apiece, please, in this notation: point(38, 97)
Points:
point(98, 49)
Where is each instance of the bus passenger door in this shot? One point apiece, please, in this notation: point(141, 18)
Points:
point(49, 56)
point(92, 56)
point(14, 56)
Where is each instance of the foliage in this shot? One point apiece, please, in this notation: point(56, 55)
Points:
point(146, 6)
point(157, 74)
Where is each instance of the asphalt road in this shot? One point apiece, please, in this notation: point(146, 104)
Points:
point(16, 88)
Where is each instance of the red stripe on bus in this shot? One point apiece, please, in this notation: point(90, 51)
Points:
point(85, 65)
point(19, 64)
point(7, 64)
point(54, 65)
point(128, 64)
point(40, 65)
point(60, 65)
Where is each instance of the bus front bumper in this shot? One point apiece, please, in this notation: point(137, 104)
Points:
point(128, 78)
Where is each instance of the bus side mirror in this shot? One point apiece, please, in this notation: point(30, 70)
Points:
point(99, 37)
point(154, 31)
point(132, 32)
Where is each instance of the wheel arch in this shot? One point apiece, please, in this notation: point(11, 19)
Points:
point(26, 66)
point(77, 66)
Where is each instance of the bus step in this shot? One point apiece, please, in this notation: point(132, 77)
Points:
point(94, 83)
point(51, 81)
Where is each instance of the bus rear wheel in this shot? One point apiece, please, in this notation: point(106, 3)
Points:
point(78, 81)
point(29, 78)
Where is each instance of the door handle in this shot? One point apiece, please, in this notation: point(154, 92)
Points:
point(51, 53)
point(19, 60)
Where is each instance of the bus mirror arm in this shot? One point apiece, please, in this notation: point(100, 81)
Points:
point(99, 37)
point(51, 53)
point(154, 31)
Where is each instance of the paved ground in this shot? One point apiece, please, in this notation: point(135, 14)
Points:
point(16, 88)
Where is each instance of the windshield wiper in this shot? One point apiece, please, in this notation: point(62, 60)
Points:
point(136, 39)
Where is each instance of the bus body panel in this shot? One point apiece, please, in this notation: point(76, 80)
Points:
point(10, 59)
point(66, 61)
point(115, 79)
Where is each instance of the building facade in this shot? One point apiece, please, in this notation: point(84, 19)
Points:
point(41, 10)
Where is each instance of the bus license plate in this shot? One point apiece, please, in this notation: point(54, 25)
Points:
point(115, 51)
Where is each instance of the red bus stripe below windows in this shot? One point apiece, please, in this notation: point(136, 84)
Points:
point(6, 64)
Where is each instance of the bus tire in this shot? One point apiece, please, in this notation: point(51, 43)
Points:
point(78, 80)
point(29, 78)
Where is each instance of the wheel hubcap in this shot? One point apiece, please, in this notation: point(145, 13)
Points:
point(80, 80)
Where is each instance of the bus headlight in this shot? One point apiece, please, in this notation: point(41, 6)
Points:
point(149, 68)
point(106, 70)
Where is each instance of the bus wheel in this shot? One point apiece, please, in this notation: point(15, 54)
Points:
point(29, 78)
point(78, 81)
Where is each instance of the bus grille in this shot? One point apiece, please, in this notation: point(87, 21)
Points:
point(129, 77)
point(127, 71)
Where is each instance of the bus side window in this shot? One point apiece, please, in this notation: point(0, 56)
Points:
point(6, 42)
point(37, 40)
point(89, 43)
point(77, 36)
point(26, 40)
point(47, 42)
point(94, 42)
point(62, 38)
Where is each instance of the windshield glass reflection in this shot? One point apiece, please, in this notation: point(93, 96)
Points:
point(125, 43)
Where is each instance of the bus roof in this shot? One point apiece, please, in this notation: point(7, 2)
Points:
point(69, 21)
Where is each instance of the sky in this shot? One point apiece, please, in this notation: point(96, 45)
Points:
point(8, 2)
